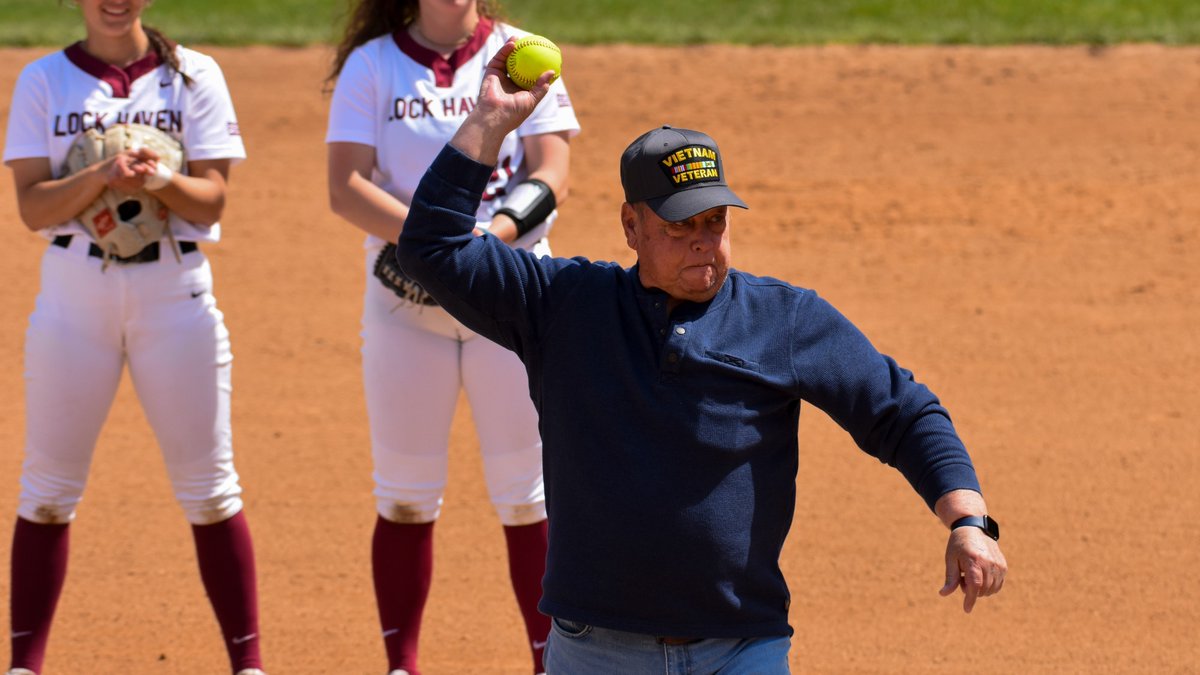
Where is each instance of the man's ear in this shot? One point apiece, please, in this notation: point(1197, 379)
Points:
point(629, 222)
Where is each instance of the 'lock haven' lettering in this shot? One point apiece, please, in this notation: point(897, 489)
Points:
point(416, 108)
point(692, 163)
point(71, 124)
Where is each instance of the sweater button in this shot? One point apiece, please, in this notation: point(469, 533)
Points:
point(680, 330)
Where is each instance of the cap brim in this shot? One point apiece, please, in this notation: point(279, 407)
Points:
point(687, 203)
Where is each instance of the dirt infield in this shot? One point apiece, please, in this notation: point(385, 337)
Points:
point(1019, 226)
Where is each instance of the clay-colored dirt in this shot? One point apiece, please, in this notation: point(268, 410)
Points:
point(1018, 226)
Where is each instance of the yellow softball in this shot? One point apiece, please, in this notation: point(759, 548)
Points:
point(532, 56)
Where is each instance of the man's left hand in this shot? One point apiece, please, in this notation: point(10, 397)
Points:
point(974, 563)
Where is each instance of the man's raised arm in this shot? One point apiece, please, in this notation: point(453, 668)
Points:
point(482, 285)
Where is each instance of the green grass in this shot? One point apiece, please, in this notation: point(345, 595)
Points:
point(985, 22)
point(227, 22)
point(780, 22)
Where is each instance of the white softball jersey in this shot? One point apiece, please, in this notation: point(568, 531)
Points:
point(63, 94)
point(159, 319)
point(406, 102)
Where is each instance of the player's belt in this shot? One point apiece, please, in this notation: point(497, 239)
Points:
point(149, 254)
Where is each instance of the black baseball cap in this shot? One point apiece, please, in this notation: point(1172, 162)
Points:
point(677, 172)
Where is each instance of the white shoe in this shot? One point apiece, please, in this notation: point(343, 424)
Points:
point(250, 671)
point(20, 671)
point(397, 671)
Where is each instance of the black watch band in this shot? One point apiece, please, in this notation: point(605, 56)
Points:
point(990, 527)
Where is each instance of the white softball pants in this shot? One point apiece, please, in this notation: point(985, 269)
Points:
point(162, 319)
point(415, 361)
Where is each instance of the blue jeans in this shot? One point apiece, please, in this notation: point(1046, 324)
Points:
point(579, 649)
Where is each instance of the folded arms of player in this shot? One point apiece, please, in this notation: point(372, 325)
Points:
point(45, 201)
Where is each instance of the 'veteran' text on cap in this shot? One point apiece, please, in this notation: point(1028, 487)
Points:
point(677, 172)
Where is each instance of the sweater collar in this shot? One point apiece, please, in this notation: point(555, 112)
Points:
point(654, 300)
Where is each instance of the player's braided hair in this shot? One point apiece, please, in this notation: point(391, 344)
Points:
point(166, 52)
point(371, 18)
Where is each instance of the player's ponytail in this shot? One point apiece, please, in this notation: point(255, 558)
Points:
point(371, 18)
point(166, 52)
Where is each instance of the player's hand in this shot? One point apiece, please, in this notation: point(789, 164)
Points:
point(502, 99)
point(126, 172)
point(975, 564)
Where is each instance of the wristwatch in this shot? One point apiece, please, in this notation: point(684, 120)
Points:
point(990, 527)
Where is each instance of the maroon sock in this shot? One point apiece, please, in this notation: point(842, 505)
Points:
point(526, 565)
point(402, 562)
point(39, 567)
point(226, 556)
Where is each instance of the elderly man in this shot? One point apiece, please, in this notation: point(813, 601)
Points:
point(669, 396)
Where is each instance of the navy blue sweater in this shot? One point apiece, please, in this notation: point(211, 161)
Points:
point(670, 440)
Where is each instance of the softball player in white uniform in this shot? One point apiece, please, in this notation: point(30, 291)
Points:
point(407, 74)
point(152, 311)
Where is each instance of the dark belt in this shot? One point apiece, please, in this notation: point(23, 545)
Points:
point(148, 254)
point(676, 641)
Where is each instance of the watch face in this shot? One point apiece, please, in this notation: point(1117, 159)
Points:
point(991, 527)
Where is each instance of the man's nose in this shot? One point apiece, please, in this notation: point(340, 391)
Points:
point(705, 240)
